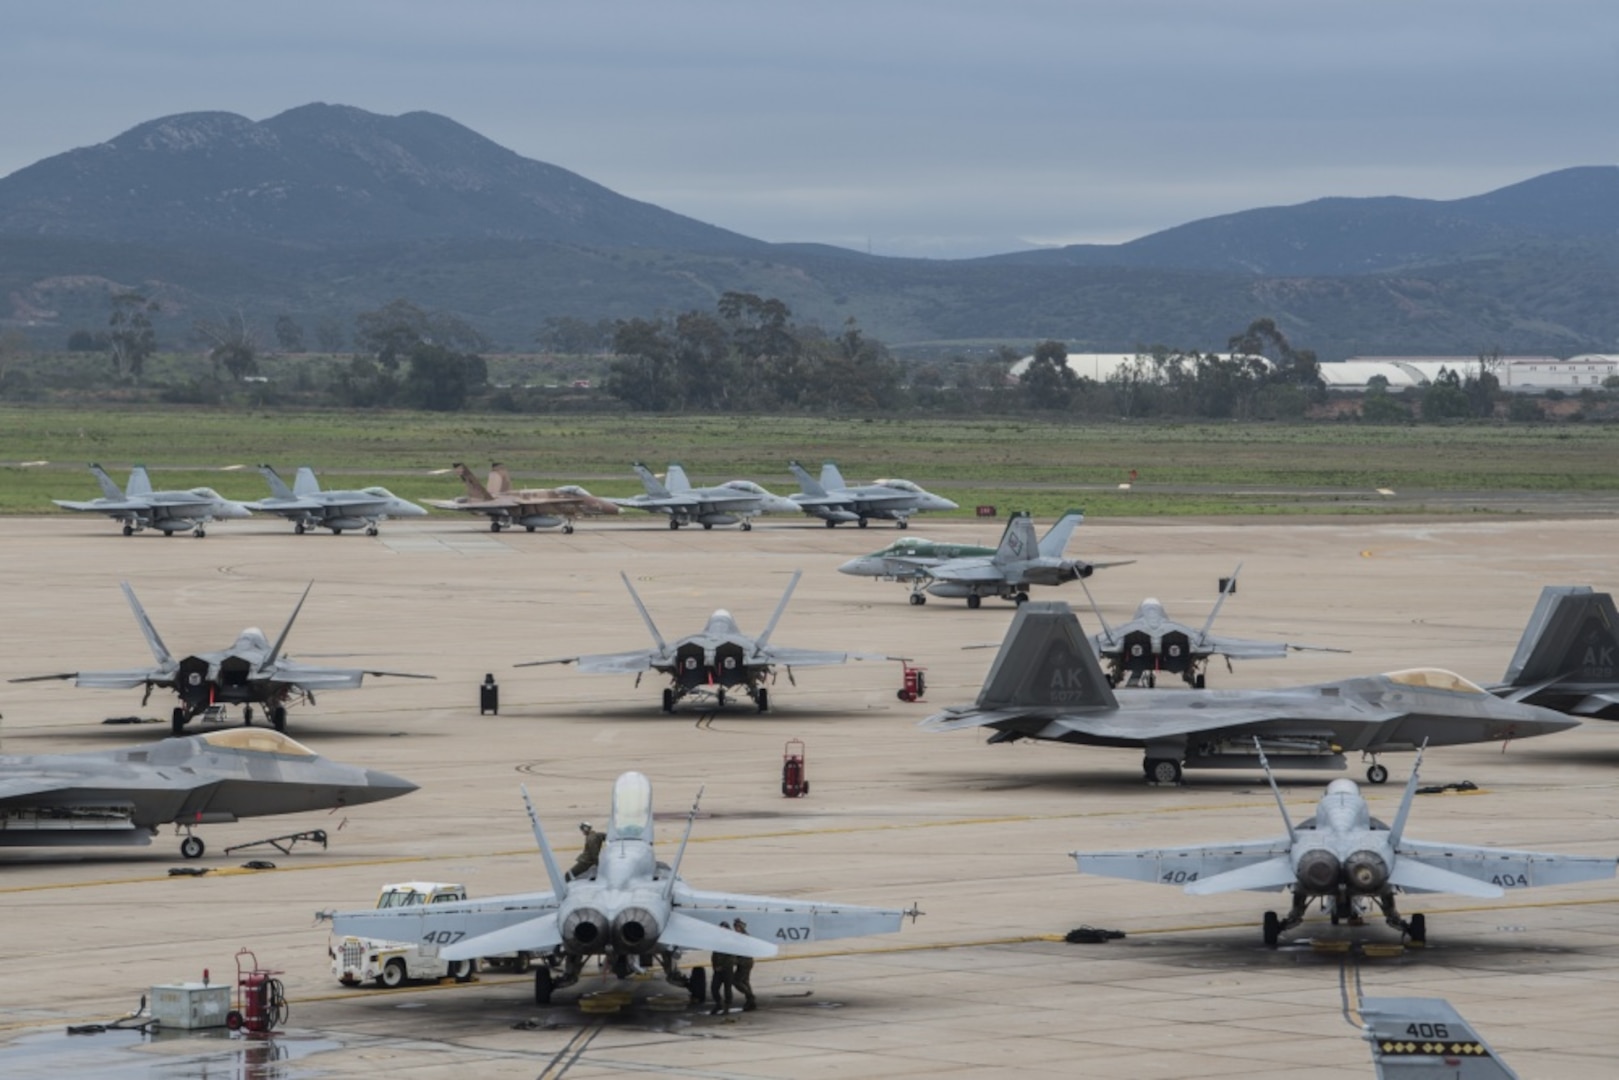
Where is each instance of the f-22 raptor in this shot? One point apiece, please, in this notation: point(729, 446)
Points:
point(631, 911)
point(1568, 657)
point(251, 672)
point(1347, 859)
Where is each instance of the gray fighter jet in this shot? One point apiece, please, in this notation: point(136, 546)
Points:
point(834, 501)
point(250, 672)
point(142, 508)
point(1007, 571)
point(308, 507)
point(716, 663)
point(630, 909)
point(1046, 683)
point(1349, 860)
point(736, 502)
point(122, 797)
point(1137, 652)
point(1568, 657)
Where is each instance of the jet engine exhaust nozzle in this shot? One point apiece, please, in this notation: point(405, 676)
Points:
point(585, 928)
point(635, 928)
point(1366, 871)
point(1318, 870)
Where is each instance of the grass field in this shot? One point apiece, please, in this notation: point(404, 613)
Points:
point(1014, 463)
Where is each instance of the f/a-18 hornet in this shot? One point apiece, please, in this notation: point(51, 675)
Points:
point(629, 909)
point(1347, 859)
point(718, 662)
point(170, 512)
point(122, 797)
point(834, 501)
point(1046, 684)
point(1006, 571)
point(1137, 652)
point(736, 502)
point(1568, 657)
point(250, 672)
point(532, 508)
point(308, 507)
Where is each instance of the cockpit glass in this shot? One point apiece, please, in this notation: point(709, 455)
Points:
point(632, 808)
point(256, 740)
point(1434, 679)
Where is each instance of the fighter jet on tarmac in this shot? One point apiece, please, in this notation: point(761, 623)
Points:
point(122, 797)
point(631, 911)
point(1137, 652)
point(251, 671)
point(168, 511)
point(1568, 657)
point(532, 508)
point(736, 502)
point(1006, 571)
point(1046, 683)
point(833, 501)
point(308, 507)
point(720, 661)
point(1347, 859)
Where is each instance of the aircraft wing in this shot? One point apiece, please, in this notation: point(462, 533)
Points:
point(1246, 649)
point(1256, 860)
point(106, 680)
point(467, 928)
point(313, 677)
point(785, 921)
point(967, 570)
point(1506, 869)
point(625, 663)
point(105, 506)
point(791, 657)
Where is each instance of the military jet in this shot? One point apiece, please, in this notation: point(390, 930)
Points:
point(1137, 652)
point(308, 507)
point(121, 797)
point(1046, 683)
point(250, 672)
point(631, 911)
point(833, 501)
point(142, 508)
point(1568, 657)
point(1416, 1038)
point(716, 663)
point(1007, 571)
point(532, 508)
point(1347, 859)
point(736, 502)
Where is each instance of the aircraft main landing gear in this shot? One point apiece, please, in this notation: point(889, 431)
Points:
point(975, 601)
point(1162, 770)
point(918, 599)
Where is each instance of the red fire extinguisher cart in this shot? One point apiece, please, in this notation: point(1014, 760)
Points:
point(794, 782)
point(261, 1001)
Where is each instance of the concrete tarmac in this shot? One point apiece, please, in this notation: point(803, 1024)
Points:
point(981, 985)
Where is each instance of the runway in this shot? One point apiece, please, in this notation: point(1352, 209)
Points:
point(981, 985)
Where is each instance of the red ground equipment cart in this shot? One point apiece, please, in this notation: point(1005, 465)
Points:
point(261, 1001)
point(916, 684)
point(794, 782)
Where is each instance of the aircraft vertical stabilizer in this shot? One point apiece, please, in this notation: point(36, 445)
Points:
point(831, 478)
point(1573, 633)
point(806, 482)
point(278, 486)
point(305, 483)
point(1055, 542)
point(1017, 542)
point(475, 488)
point(675, 479)
point(1046, 661)
point(1426, 1037)
point(500, 481)
point(139, 483)
point(649, 480)
point(109, 487)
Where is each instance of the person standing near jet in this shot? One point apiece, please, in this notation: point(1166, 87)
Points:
point(591, 855)
point(724, 971)
point(742, 974)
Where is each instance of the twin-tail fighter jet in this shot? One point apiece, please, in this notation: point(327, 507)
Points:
point(736, 502)
point(141, 508)
point(717, 663)
point(1349, 860)
point(835, 501)
point(1046, 683)
point(308, 507)
point(1005, 571)
point(630, 910)
point(507, 507)
point(251, 672)
point(1151, 644)
point(122, 797)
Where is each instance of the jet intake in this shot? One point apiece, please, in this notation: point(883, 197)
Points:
point(1318, 870)
point(585, 930)
point(1366, 871)
point(635, 929)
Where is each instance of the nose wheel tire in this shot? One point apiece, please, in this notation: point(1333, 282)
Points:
point(1377, 774)
point(192, 847)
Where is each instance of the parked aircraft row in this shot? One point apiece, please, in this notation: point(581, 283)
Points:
point(737, 502)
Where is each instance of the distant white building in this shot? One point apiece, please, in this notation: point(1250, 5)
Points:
point(1544, 372)
point(1098, 366)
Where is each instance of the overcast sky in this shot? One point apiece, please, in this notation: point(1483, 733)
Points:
point(929, 127)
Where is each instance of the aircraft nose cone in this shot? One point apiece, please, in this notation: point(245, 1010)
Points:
point(380, 785)
point(853, 566)
point(946, 504)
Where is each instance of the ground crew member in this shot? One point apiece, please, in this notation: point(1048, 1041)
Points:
point(591, 855)
point(742, 974)
point(724, 968)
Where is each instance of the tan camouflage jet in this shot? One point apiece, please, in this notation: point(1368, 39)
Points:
point(532, 508)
